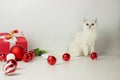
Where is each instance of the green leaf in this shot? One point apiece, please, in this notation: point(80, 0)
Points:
point(39, 52)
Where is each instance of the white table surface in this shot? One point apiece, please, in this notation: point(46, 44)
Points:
point(78, 68)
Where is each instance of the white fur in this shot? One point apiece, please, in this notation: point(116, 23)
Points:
point(84, 41)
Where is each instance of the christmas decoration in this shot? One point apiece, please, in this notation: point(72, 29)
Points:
point(26, 58)
point(66, 57)
point(9, 36)
point(18, 51)
point(93, 55)
point(39, 52)
point(51, 60)
point(10, 67)
point(45, 56)
point(14, 31)
point(13, 61)
point(10, 56)
point(2, 57)
point(32, 54)
point(7, 40)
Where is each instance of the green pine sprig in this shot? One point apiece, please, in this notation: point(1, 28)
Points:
point(39, 52)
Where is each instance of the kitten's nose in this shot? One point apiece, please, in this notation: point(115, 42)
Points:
point(89, 26)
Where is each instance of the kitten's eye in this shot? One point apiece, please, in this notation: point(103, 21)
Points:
point(87, 24)
point(92, 24)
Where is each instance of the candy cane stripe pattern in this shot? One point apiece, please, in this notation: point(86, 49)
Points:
point(9, 68)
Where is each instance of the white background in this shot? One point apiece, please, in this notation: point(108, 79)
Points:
point(51, 24)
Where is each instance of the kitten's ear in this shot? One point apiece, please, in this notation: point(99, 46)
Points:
point(95, 20)
point(84, 20)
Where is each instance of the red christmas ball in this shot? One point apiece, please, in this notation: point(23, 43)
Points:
point(30, 56)
point(26, 57)
point(93, 55)
point(18, 51)
point(14, 62)
point(66, 57)
point(32, 53)
point(51, 60)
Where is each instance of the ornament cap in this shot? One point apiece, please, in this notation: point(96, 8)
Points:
point(10, 56)
point(45, 55)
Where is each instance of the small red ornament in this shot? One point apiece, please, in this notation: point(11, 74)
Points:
point(32, 53)
point(66, 57)
point(18, 51)
point(30, 56)
point(51, 60)
point(26, 57)
point(93, 55)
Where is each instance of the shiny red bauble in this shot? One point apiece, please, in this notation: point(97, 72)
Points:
point(12, 61)
point(66, 57)
point(18, 51)
point(32, 53)
point(26, 57)
point(51, 60)
point(93, 55)
point(30, 56)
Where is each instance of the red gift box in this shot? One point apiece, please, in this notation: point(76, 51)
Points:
point(6, 45)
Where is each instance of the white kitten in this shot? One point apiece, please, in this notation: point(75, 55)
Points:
point(84, 41)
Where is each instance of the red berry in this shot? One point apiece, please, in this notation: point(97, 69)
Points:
point(93, 55)
point(26, 58)
point(51, 60)
point(66, 57)
point(15, 31)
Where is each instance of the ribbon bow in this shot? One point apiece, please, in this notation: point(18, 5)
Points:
point(14, 33)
